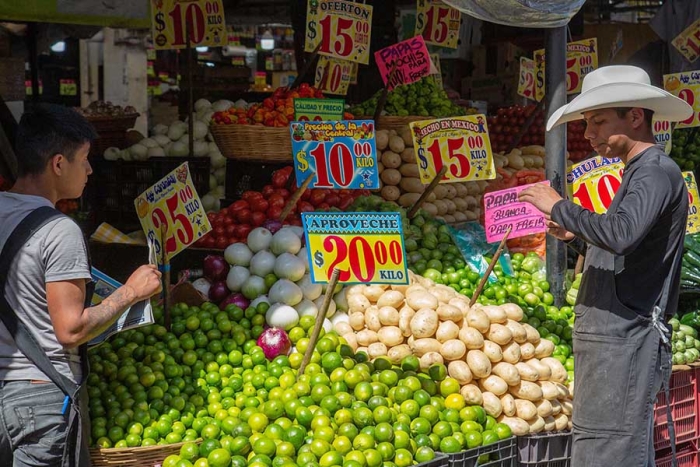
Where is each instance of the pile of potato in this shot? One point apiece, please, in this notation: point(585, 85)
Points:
point(400, 181)
point(527, 157)
point(502, 364)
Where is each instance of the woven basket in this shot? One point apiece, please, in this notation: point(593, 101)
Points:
point(134, 457)
point(398, 123)
point(253, 142)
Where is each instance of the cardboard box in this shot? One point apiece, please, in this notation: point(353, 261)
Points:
point(496, 59)
point(497, 90)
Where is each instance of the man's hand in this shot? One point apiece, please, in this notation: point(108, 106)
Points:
point(541, 196)
point(555, 230)
point(145, 282)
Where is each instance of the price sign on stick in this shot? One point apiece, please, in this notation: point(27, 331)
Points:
point(594, 182)
point(581, 59)
point(366, 247)
point(318, 110)
point(662, 135)
point(342, 28)
point(436, 69)
point(438, 23)
point(172, 19)
point(174, 203)
point(686, 86)
point(403, 63)
point(693, 225)
point(503, 213)
point(460, 143)
point(688, 42)
point(341, 155)
point(334, 76)
point(526, 83)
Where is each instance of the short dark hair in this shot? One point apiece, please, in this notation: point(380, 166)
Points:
point(46, 130)
point(648, 114)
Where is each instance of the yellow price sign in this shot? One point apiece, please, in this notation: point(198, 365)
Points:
point(581, 59)
point(340, 29)
point(693, 225)
point(526, 83)
point(367, 247)
point(593, 183)
point(334, 76)
point(686, 86)
point(436, 69)
point(662, 134)
point(173, 204)
point(173, 20)
point(68, 87)
point(460, 143)
point(688, 42)
point(438, 23)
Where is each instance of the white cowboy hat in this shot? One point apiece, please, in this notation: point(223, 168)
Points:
point(621, 86)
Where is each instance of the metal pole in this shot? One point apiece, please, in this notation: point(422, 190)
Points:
point(33, 59)
point(555, 146)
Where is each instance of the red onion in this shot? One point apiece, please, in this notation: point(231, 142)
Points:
point(218, 291)
point(274, 342)
point(215, 268)
point(235, 299)
point(273, 225)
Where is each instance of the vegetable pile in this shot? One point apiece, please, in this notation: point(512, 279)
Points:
point(690, 266)
point(685, 345)
point(686, 148)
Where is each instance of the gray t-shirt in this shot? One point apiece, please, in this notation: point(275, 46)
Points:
point(57, 252)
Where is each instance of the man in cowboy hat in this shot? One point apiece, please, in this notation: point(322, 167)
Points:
point(632, 269)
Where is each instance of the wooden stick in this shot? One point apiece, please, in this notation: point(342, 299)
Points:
point(579, 265)
point(433, 184)
point(528, 123)
point(166, 278)
point(385, 93)
point(478, 290)
point(307, 67)
point(296, 197)
point(320, 318)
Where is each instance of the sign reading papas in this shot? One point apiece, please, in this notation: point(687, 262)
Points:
point(341, 28)
point(171, 20)
point(403, 63)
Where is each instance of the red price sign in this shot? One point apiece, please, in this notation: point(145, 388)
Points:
point(172, 19)
point(340, 29)
point(334, 76)
point(593, 183)
point(438, 23)
point(686, 85)
point(688, 42)
point(526, 84)
point(172, 205)
point(461, 143)
point(581, 59)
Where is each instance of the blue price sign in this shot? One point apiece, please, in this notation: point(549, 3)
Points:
point(338, 154)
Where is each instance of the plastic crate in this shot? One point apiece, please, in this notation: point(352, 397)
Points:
point(682, 391)
point(504, 454)
point(439, 461)
point(686, 456)
point(545, 450)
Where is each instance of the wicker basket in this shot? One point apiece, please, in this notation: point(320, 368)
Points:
point(134, 457)
point(398, 123)
point(253, 142)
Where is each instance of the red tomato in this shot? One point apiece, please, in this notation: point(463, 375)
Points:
point(258, 218)
point(276, 200)
point(227, 220)
point(268, 190)
point(209, 241)
point(238, 205)
point(274, 212)
point(244, 230)
point(332, 199)
point(304, 206)
point(248, 195)
point(259, 205)
point(211, 216)
point(317, 197)
point(283, 192)
point(244, 216)
point(279, 179)
point(295, 221)
point(323, 207)
point(230, 230)
point(345, 203)
point(306, 195)
point(222, 243)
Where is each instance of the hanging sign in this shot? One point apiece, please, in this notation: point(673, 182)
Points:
point(338, 154)
point(318, 110)
point(503, 210)
point(688, 42)
point(436, 69)
point(581, 59)
point(343, 29)
point(526, 84)
point(68, 87)
point(461, 143)
point(662, 135)
point(171, 20)
point(693, 225)
point(594, 182)
point(438, 23)
point(403, 63)
point(334, 76)
point(686, 86)
point(367, 247)
point(172, 202)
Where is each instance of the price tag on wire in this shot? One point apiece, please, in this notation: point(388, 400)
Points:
point(581, 59)
point(688, 42)
point(339, 28)
point(460, 143)
point(334, 76)
point(172, 19)
point(686, 86)
point(340, 155)
point(173, 205)
point(367, 247)
point(526, 83)
point(438, 23)
point(693, 225)
point(594, 182)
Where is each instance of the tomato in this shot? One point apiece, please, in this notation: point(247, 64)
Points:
point(317, 197)
point(332, 199)
point(209, 241)
point(238, 205)
point(268, 190)
point(244, 216)
point(283, 192)
point(222, 243)
point(279, 179)
point(306, 195)
point(304, 206)
point(230, 230)
point(211, 216)
point(276, 200)
point(243, 230)
point(259, 205)
point(227, 220)
point(274, 212)
point(345, 203)
point(323, 207)
point(248, 195)
point(258, 218)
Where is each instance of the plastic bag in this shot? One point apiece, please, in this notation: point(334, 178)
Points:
point(470, 238)
point(521, 13)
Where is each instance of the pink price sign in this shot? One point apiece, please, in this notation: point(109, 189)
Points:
point(411, 59)
point(503, 210)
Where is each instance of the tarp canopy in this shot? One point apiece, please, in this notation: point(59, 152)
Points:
point(107, 13)
point(521, 13)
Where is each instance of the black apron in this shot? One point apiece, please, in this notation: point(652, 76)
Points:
point(76, 451)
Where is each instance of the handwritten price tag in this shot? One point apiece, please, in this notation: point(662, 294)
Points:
point(526, 84)
point(438, 23)
point(68, 87)
point(662, 135)
point(436, 69)
point(581, 59)
point(171, 20)
point(334, 76)
point(686, 85)
point(688, 42)
point(594, 182)
point(409, 60)
point(461, 143)
point(367, 247)
point(341, 155)
point(318, 110)
point(693, 225)
point(174, 203)
point(502, 210)
point(342, 28)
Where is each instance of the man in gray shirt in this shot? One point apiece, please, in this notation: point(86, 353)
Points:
point(46, 287)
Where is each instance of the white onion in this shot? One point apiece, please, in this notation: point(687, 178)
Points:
point(288, 266)
point(162, 140)
point(156, 152)
point(311, 291)
point(306, 307)
point(220, 175)
point(176, 131)
point(200, 130)
point(238, 254)
point(111, 154)
point(262, 263)
point(237, 276)
point(202, 285)
point(178, 149)
point(285, 291)
point(138, 152)
point(282, 316)
point(201, 104)
point(285, 241)
point(160, 129)
point(149, 143)
point(259, 239)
